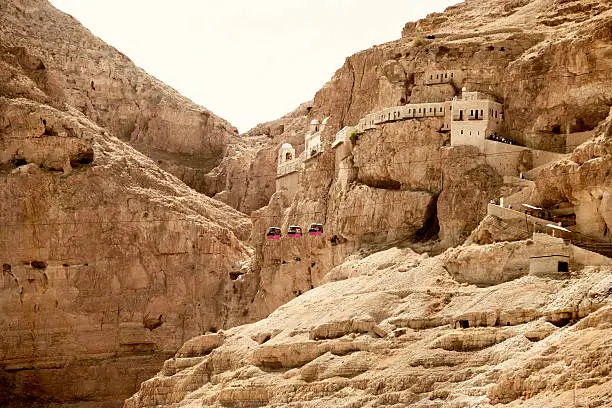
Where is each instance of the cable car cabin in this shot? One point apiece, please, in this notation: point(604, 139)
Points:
point(295, 231)
point(274, 234)
point(315, 230)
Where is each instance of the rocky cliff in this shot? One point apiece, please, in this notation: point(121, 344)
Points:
point(382, 310)
point(546, 61)
point(109, 264)
point(399, 329)
point(109, 89)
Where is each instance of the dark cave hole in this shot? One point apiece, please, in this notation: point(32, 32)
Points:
point(39, 264)
point(49, 131)
point(562, 322)
point(20, 162)
point(83, 158)
point(556, 129)
point(431, 227)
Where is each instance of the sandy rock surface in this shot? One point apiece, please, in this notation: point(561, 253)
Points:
point(109, 264)
point(395, 329)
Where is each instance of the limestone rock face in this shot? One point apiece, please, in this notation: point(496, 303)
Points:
point(403, 181)
point(109, 264)
point(398, 329)
point(108, 88)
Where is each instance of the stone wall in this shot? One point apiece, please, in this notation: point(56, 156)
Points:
point(290, 182)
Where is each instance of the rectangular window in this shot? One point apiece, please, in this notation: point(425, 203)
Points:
point(461, 131)
point(563, 267)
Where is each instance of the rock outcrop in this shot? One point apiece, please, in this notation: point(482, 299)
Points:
point(109, 89)
point(109, 264)
point(396, 329)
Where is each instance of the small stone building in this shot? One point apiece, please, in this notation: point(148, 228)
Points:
point(549, 265)
point(288, 170)
point(475, 117)
point(285, 154)
point(312, 139)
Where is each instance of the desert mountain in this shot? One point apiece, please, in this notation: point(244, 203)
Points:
point(109, 264)
point(457, 187)
point(426, 289)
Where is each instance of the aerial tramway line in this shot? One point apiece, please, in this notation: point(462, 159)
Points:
point(294, 231)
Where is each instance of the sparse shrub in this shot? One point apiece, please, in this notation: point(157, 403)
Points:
point(354, 136)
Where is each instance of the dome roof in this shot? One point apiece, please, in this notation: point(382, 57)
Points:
point(286, 146)
point(325, 121)
point(315, 122)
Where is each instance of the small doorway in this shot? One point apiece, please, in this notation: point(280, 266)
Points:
point(563, 267)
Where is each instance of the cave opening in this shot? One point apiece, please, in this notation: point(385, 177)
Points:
point(431, 226)
point(38, 264)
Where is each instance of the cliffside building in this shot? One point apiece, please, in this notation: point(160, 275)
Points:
point(475, 117)
point(288, 170)
point(312, 139)
point(289, 166)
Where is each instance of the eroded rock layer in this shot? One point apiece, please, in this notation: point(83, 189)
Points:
point(397, 329)
point(109, 264)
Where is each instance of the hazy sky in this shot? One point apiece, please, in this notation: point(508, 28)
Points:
point(248, 61)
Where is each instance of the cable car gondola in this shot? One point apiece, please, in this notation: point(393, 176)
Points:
point(295, 231)
point(274, 234)
point(315, 230)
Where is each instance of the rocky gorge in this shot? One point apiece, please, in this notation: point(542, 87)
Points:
point(135, 226)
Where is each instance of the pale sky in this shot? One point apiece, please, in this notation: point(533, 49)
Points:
point(248, 61)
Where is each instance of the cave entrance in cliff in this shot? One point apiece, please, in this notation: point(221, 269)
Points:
point(464, 324)
point(431, 226)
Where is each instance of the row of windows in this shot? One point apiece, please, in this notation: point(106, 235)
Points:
point(442, 76)
point(471, 132)
point(424, 110)
point(479, 114)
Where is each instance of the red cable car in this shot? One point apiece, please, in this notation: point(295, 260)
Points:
point(295, 231)
point(274, 234)
point(315, 230)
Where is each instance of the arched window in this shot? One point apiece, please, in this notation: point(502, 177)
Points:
point(288, 156)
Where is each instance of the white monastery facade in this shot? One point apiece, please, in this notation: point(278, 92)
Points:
point(471, 118)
